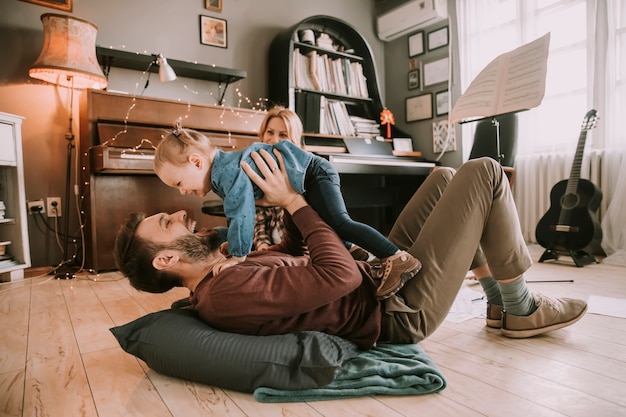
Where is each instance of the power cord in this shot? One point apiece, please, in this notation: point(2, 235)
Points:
point(38, 210)
point(86, 276)
point(47, 225)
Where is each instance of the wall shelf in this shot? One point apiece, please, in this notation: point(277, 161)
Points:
point(108, 58)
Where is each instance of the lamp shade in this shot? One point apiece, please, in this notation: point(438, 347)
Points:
point(68, 56)
point(166, 72)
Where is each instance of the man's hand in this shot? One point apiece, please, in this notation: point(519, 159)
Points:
point(274, 183)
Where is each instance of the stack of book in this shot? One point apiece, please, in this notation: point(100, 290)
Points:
point(365, 128)
point(6, 259)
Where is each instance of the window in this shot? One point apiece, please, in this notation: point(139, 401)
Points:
point(490, 27)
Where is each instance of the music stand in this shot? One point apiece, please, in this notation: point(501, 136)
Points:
point(496, 123)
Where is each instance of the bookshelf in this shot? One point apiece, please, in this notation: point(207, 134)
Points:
point(13, 225)
point(331, 82)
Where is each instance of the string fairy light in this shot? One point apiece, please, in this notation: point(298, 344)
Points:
point(258, 107)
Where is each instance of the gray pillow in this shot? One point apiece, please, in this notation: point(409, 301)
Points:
point(177, 343)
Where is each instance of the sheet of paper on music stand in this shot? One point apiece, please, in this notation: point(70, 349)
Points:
point(514, 81)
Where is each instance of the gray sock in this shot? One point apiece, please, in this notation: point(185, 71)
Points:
point(492, 291)
point(516, 298)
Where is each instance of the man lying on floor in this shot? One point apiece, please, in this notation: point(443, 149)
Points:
point(451, 223)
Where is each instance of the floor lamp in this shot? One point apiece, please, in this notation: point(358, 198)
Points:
point(68, 58)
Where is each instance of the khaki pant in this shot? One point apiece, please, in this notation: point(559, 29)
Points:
point(453, 223)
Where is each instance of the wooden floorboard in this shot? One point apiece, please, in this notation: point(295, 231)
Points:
point(56, 382)
point(121, 387)
point(58, 358)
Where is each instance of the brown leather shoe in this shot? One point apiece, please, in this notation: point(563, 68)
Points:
point(494, 315)
point(551, 314)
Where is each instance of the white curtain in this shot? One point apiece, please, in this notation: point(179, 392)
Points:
point(610, 91)
point(586, 69)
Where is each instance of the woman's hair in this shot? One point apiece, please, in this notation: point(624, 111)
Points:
point(133, 257)
point(176, 146)
point(292, 122)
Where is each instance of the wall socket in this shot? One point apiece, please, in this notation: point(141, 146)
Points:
point(53, 206)
point(35, 203)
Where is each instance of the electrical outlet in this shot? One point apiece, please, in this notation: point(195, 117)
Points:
point(36, 206)
point(53, 206)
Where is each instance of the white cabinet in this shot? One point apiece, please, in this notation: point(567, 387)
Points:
point(13, 224)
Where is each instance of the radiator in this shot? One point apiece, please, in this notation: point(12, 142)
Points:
point(537, 174)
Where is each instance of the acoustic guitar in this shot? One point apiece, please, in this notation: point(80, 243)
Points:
point(570, 225)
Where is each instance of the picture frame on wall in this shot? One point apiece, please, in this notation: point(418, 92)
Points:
point(419, 107)
point(438, 38)
point(65, 5)
point(436, 71)
point(213, 5)
point(416, 44)
point(213, 31)
point(442, 103)
point(414, 79)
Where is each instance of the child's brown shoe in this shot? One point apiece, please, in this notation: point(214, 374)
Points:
point(396, 271)
point(358, 253)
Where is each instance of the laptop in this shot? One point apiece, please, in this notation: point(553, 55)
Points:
point(368, 147)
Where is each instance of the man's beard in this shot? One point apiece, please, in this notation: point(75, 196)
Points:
point(199, 247)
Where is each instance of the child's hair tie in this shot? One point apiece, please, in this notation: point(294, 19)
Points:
point(178, 128)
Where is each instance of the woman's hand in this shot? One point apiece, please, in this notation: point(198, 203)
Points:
point(274, 183)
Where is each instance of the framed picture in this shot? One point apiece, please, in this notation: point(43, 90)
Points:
point(413, 64)
point(438, 38)
point(213, 31)
point(419, 108)
point(55, 4)
point(416, 44)
point(414, 79)
point(441, 103)
point(213, 5)
point(436, 71)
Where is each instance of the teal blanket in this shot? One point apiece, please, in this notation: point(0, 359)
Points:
point(383, 370)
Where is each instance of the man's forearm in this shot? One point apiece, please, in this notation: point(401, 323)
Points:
point(297, 202)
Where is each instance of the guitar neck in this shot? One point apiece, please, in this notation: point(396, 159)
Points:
point(589, 123)
point(574, 176)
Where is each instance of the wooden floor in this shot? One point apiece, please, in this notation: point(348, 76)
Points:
point(58, 359)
